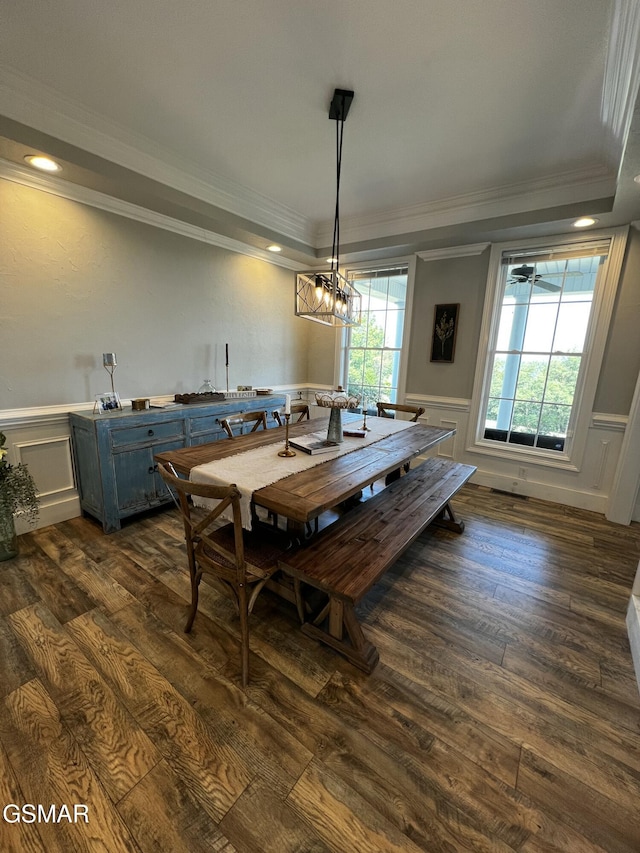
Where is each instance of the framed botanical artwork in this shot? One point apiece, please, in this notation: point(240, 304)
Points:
point(107, 402)
point(445, 329)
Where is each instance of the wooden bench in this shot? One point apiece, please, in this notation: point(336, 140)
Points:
point(347, 558)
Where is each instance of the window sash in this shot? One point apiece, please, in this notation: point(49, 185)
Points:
point(385, 359)
point(572, 456)
point(519, 420)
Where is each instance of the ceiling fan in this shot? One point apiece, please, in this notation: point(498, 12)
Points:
point(524, 273)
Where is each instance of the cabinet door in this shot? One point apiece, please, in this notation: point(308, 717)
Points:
point(138, 484)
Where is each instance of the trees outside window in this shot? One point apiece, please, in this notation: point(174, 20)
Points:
point(373, 349)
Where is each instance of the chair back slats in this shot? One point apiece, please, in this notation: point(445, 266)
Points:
point(299, 412)
point(197, 529)
point(388, 410)
point(257, 419)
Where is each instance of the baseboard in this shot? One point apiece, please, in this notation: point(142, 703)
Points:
point(541, 491)
point(53, 513)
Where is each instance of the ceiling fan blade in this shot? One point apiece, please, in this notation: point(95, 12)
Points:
point(547, 285)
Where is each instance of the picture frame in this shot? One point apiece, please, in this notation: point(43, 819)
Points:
point(445, 331)
point(107, 402)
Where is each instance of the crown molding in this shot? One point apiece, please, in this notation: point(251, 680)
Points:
point(621, 78)
point(564, 188)
point(74, 192)
point(49, 111)
point(453, 252)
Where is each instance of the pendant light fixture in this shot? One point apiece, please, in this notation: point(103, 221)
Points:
point(326, 296)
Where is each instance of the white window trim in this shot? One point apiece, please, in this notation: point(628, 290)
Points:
point(340, 361)
point(602, 310)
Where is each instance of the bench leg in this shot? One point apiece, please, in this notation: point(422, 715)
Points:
point(448, 521)
point(335, 620)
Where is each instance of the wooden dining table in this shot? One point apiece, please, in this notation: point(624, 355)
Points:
point(303, 496)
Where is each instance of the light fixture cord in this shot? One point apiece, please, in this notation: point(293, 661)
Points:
point(335, 249)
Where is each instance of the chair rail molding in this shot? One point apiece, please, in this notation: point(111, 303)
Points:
point(59, 414)
point(459, 404)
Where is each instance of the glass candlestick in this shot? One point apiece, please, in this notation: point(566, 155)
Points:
point(287, 450)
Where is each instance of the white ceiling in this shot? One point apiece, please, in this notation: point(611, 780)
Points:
point(464, 110)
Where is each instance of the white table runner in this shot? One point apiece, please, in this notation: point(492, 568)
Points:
point(253, 469)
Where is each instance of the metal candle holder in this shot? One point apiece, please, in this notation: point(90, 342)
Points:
point(287, 450)
point(110, 362)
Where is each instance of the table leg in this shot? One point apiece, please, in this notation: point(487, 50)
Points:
point(448, 520)
point(335, 620)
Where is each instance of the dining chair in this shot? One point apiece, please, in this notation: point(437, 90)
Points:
point(241, 560)
point(299, 412)
point(388, 410)
point(258, 419)
point(299, 409)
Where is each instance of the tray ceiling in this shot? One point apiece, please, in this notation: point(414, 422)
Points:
point(217, 112)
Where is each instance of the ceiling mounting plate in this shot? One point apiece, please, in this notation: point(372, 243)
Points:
point(339, 109)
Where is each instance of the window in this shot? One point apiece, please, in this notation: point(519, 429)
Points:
point(545, 326)
point(373, 349)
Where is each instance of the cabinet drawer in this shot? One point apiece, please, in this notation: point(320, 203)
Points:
point(209, 424)
point(148, 434)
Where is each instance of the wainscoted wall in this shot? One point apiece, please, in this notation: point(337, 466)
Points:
point(41, 438)
point(589, 488)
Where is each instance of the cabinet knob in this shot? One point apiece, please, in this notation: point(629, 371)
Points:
point(150, 432)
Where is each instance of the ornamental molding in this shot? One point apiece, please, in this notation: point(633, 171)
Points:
point(453, 252)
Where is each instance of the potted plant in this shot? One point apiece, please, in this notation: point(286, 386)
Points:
point(17, 495)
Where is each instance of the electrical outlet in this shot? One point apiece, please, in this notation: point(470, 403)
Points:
point(522, 473)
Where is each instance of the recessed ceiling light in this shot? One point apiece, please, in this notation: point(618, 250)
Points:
point(274, 248)
point(44, 163)
point(584, 222)
point(332, 260)
point(637, 179)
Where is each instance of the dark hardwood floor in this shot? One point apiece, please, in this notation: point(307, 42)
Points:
point(504, 714)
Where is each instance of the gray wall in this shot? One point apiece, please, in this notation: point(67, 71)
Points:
point(76, 282)
point(461, 280)
point(622, 356)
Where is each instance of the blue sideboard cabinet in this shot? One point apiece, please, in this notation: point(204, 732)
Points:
point(114, 452)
